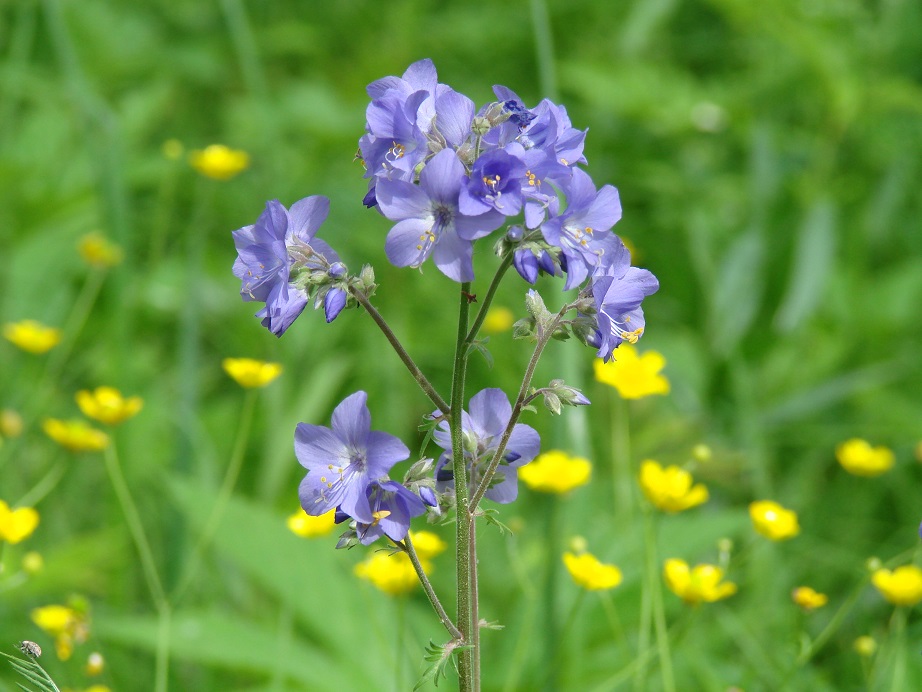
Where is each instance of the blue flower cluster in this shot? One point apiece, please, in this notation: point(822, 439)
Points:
point(448, 175)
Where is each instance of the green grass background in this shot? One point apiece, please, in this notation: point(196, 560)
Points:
point(785, 234)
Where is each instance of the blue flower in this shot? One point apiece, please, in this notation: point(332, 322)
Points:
point(495, 183)
point(392, 506)
point(618, 290)
point(582, 232)
point(280, 243)
point(429, 221)
point(343, 461)
point(482, 429)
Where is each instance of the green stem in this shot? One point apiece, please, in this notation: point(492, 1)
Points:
point(224, 494)
point(544, 336)
point(817, 644)
point(148, 564)
point(407, 546)
point(652, 583)
point(76, 321)
point(554, 639)
point(544, 48)
point(897, 645)
point(488, 299)
point(401, 351)
point(464, 531)
point(41, 489)
point(622, 475)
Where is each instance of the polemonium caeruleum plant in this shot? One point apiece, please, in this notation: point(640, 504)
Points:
point(449, 175)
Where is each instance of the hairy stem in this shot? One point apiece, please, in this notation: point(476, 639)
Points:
point(407, 547)
point(401, 351)
point(544, 335)
point(464, 529)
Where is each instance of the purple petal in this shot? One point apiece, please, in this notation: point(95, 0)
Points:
point(316, 447)
point(306, 215)
point(408, 243)
point(352, 420)
point(490, 411)
point(441, 178)
point(454, 257)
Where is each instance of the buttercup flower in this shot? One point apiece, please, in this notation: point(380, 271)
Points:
point(172, 149)
point(483, 428)
point(670, 489)
point(250, 373)
point(703, 583)
point(75, 435)
point(67, 625)
point(591, 574)
point(10, 423)
point(861, 459)
point(107, 405)
point(94, 664)
point(808, 599)
point(633, 374)
point(556, 472)
point(98, 251)
point(901, 587)
point(391, 573)
point(773, 521)
point(498, 320)
point(31, 336)
point(281, 263)
point(307, 526)
point(865, 646)
point(16, 525)
point(219, 162)
point(344, 461)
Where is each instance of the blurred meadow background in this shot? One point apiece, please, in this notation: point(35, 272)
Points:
point(767, 157)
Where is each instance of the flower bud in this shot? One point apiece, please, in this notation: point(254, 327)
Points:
point(481, 125)
point(552, 402)
point(349, 539)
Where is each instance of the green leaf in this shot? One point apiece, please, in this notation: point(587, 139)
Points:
point(738, 291)
point(221, 639)
point(811, 264)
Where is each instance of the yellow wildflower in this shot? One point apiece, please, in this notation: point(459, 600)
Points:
point(808, 599)
point(392, 573)
point(250, 373)
point(498, 320)
point(98, 251)
point(303, 524)
point(94, 664)
point(33, 562)
point(75, 435)
point(702, 453)
point(67, 625)
point(556, 472)
point(670, 489)
point(10, 423)
point(107, 405)
point(633, 374)
point(16, 524)
point(591, 574)
point(696, 585)
point(773, 521)
point(172, 149)
point(427, 544)
point(31, 336)
point(902, 586)
point(861, 459)
point(219, 162)
point(865, 646)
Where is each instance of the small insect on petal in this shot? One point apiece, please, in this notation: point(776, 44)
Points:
point(30, 649)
